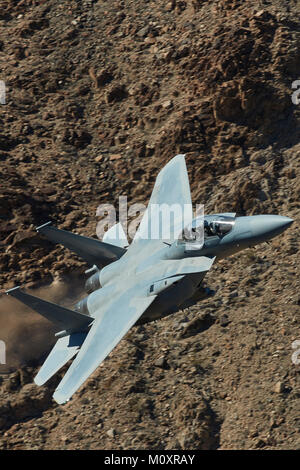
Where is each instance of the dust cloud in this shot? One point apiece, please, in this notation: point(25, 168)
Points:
point(28, 336)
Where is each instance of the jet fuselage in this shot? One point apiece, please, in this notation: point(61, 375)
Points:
point(223, 236)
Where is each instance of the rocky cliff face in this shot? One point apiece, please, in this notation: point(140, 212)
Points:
point(99, 96)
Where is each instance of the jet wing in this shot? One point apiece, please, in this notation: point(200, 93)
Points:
point(61, 316)
point(171, 193)
point(169, 268)
point(106, 332)
point(91, 250)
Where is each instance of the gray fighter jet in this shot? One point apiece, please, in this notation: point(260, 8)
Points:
point(152, 277)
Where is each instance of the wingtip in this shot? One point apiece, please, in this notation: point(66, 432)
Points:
point(9, 291)
point(60, 397)
point(44, 225)
point(38, 381)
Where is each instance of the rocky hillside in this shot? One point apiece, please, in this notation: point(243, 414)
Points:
point(99, 96)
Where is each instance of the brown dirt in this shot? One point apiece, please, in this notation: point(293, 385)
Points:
point(100, 95)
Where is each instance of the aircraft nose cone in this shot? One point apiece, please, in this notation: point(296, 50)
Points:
point(269, 225)
point(284, 221)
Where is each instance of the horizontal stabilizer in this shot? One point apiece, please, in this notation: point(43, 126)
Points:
point(61, 316)
point(106, 332)
point(64, 349)
point(91, 250)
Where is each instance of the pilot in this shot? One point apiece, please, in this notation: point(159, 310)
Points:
point(207, 229)
point(215, 228)
point(212, 228)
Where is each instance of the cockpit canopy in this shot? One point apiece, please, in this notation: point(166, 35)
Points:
point(218, 225)
point(213, 225)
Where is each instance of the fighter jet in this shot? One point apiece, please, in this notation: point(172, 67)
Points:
point(150, 278)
